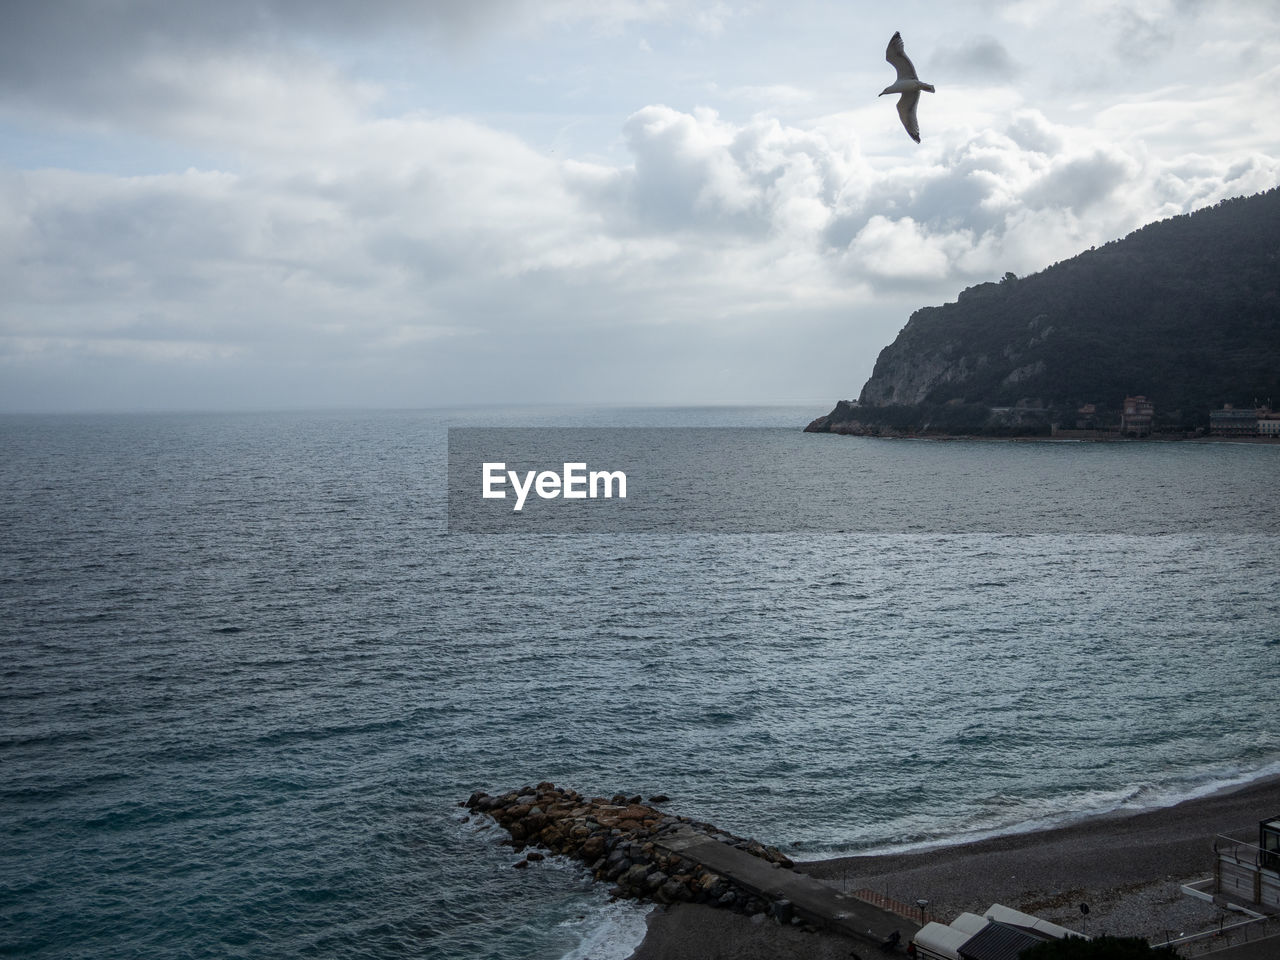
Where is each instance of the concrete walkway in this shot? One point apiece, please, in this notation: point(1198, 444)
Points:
point(1258, 950)
point(810, 899)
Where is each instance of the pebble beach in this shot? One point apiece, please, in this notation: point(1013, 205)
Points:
point(1128, 868)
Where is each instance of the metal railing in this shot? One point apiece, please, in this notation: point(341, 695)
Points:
point(1253, 926)
point(1246, 853)
point(1226, 935)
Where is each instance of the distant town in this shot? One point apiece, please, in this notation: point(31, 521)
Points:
point(1137, 420)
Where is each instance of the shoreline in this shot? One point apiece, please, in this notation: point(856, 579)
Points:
point(1128, 866)
point(1050, 438)
point(1124, 810)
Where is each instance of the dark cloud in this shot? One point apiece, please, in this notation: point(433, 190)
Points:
point(977, 58)
point(1082, 182)
point(89, 60)
point(1031, 131)
point(1140, 38)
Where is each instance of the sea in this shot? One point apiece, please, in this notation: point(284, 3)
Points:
point(249, 672)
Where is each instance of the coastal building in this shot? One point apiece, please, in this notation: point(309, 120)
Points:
point(1268, 422)
point(1137, 416)
point(1233, 422)
point(1087, 417)
point(1247, 871)
point(1001, 933)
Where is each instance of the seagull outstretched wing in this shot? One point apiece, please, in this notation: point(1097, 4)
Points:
point(907, 111)
point(896, 54)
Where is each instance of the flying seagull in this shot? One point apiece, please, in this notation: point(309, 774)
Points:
point(907, 84)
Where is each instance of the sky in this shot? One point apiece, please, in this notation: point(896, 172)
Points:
point(290, 204)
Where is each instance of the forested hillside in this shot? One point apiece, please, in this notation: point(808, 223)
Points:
point(1185, 311)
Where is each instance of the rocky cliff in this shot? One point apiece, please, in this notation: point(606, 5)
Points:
point(1185, 311)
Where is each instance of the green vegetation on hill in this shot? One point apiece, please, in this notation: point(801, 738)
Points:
point(1185, 311)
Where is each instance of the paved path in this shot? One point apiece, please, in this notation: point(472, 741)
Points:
point(810, 899)
point(1258, 950)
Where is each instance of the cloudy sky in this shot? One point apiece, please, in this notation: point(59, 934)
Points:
point(405, 203)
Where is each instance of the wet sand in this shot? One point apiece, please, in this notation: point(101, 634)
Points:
point(1127, 868)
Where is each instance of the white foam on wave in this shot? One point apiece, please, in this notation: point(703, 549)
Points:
point(613, 931)
point(1215, 781)
point(1004, 817)
point(1030, 815)
point(998, 816)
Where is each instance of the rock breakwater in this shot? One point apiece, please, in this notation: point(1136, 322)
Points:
point(620, 840)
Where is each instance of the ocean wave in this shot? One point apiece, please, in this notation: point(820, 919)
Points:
point(1004, 815)
point(611, 931)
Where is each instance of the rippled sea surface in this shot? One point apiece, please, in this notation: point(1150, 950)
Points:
point(247, 675)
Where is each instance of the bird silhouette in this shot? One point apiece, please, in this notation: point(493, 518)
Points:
point(907, 84)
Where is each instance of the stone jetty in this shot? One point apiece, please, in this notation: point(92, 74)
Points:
point(625, 842)
point(651, 855)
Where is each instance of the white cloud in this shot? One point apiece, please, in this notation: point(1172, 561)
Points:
point(684, 169)
point(900, 250)
point(402, 223)
point(346, 237)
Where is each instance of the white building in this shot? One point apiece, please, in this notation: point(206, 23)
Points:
point(1000, 933)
